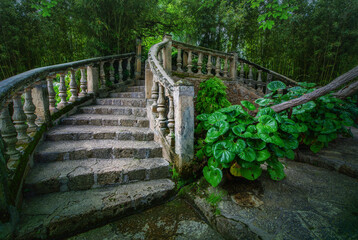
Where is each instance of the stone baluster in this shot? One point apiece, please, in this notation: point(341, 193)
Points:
point(120, 71)
point(171, 121)
point(217, 66)
point(8, 133)
point(154, 95)
point(242, 73)
point(62, 92)
point(83, 83)
point(259, 80)
point(233, 66)
point(269, 79)
point(73, 87)
point(111, 71)
point(29, 109)
point(19, 119)
point(129, 68)
point(209, 65)
point(225, 67)
point(190, 61)
point(160, 57)
point(200, 63)
point(251, 77)
point(102, 75)
point(179, 59)
point(161, 109)
point(138, 59)
point(51, 95)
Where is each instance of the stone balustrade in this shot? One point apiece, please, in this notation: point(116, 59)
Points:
point(193, 61)
point(170, 106)
point(30, 104)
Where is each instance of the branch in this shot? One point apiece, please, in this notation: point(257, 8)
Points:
point(336, 83)
point(347, 91)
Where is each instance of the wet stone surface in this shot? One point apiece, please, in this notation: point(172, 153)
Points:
point(173, 220)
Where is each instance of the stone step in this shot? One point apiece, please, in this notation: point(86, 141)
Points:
point(92, 173)
point(85, 132)
point(128, 102)
point(136, 89)
point(59, 215)
point(106, 120)
point(50, 151)
point(127, 95)
point(114, 110)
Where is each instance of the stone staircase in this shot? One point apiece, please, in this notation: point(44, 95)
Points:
point(99, 164)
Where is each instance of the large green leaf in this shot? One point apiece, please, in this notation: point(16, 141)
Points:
point(246, 135)
point(316, 146)
point(203, 117)
point(276, 174)
point(290, 143)
point(239, 146)
point(248, 105)
point(213, 162)
point(251, 129)
point(248, 154)
point(238, 129)
point(276, 85)
point(223, 127)
point(216, 117)
point(213, 175)
point(267, 124)
point(263, 155)
point(266, 111)
point(275, 139)
point(224, 151)
point(263, 101)
point(290, 154)
point(256, 144)
point(251, 173)
point(208, 150)
point(278, 151)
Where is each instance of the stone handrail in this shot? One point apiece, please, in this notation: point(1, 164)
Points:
point(171, 106)
point(22, 125)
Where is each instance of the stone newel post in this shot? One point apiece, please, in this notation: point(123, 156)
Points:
point(184, 123)
point(148, 81)
point(167, 56)
point(92, 79)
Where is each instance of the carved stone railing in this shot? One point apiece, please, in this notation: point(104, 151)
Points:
point(29, 105)
point(204, 63)
point(171, 106)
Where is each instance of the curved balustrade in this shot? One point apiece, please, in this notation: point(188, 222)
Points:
point(204, 62)
point(29, 104)
point(171, 105)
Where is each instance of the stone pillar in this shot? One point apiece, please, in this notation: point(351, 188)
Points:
point(155, 92)
point(171, 122)
point(129, 68)
point(138, 59)
point(218, 67)
point(242, 73)
point(200, 63)
point(209, 66)
point(233, 66)
point(29, 109)
point(40, 99)
point(83, 83)
point(225, 67)
point(259, 80)
point(185, 58)
point(161, 109)
point(111, 71)
point(62, 92)
point(102, 75)
point(179, 59)
point(51, 94)
point(148, 81)
point(120, 71)
point(167, 56)
point(92, 79)
point(190, 62)
point(8, 133)
point(184, 123)
point(19, 119)
point(73, 87)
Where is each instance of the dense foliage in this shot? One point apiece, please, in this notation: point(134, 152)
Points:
point(211, 96)
point(236, 138)
point(308, 40)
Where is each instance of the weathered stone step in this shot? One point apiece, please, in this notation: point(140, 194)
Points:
point(136, 89)
point(129, 102)
point(85, 132)
point(50, 151)
point(65, 213)
point(92, 173)
point(127, 95)
point(106, 120)
point(114, 110)
point(340, 155)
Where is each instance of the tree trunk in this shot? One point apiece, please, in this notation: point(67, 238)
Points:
point(336, 83)
point(347, 91)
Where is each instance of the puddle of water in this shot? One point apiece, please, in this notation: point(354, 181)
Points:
point(172, 220)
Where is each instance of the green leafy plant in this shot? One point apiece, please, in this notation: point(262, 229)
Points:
point(319, 121)
point(211, 96)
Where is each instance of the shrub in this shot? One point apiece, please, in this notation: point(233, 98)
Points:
point(211, 96)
